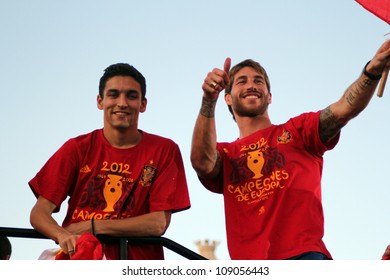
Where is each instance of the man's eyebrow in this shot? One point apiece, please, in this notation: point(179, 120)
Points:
point(243, 77)
point(112, 90)
point(132, 91)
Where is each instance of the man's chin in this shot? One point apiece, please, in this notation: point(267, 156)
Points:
point(121, 127)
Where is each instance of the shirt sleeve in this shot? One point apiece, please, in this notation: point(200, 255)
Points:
point(56, 178)
point(170, 190)
point(307, 126)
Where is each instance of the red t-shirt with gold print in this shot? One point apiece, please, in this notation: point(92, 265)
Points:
point(104, 182)
point(271, 182)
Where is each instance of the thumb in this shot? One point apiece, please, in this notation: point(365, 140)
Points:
point(226, 65)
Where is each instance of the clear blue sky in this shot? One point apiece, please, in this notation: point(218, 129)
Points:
point(53, 54)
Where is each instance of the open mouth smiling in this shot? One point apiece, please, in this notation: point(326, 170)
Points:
point(121, 113)
point(251, 96)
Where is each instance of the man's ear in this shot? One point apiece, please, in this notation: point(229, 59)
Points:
point(99, 101)
point(144, 102)
point(270, 98)
point(228, 99)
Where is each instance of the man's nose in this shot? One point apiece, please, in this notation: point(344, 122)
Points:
point(251, 85)
point(122, 100)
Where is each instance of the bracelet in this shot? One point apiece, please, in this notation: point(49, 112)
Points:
point(369, 75)
point(93, 226)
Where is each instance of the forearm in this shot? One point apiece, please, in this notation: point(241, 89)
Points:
point(354, 100)
point(151, 224)
point(204, 138)
point(358, 95)
point(43, 222)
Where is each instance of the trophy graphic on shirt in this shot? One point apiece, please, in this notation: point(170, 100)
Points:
point(112, 191)
point(255, 162)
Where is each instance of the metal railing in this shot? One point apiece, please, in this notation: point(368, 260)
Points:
point(122, 241)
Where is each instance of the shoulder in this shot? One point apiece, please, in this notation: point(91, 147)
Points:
point(84, 140)
point(157, 139)
point(304, 120)
point(306, 116)
point(159, 146)
point(87, 137)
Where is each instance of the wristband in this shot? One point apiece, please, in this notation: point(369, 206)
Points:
point(369, 75)
point(93, 227)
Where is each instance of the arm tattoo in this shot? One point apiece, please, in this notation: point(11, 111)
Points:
point(207, 108)
point(357, 97)
point(330, 126)
point(357, 90)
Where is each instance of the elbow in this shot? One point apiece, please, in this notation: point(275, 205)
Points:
point(343, 120)
point(161, 224)
point(33, 219)
point(347, 116)
point(159, 229)
point(202, 166)
point(196, 163)
point(200, 169)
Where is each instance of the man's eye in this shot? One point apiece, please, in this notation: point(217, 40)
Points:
point(132, 96)
point(112, 94)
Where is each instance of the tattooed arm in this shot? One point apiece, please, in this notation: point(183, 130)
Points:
point(204, 155)
point(354, 100)
point(356, 97)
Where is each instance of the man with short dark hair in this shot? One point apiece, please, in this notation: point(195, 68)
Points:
point(121, 181)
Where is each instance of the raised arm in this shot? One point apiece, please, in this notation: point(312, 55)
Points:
point(204, 155)
point(357, 96)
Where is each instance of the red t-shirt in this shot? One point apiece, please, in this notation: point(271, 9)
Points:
point(104, 182)
point(271, 182)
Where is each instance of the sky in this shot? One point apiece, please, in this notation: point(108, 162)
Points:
point(53, 54)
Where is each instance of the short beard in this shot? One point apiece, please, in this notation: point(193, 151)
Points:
point(242, 111)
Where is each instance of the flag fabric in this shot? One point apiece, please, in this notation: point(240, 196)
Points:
point(88, 247)
point(380, 8)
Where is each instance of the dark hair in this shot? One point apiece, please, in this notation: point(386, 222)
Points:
point(5, 248)
point(246, 63)
point(122, 69)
